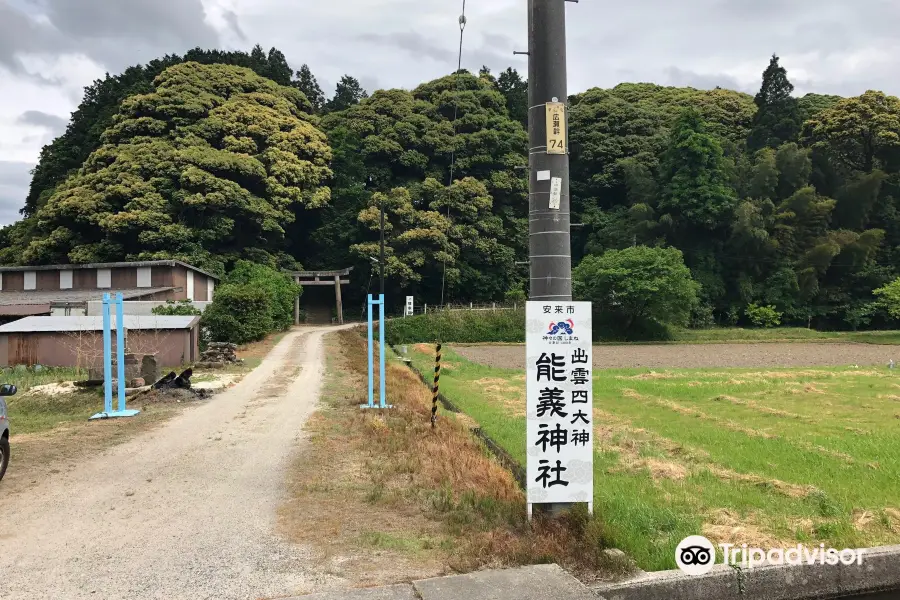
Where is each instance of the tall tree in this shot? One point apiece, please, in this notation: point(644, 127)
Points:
point(859, 134)
point(778, 118)
point(306, 82)
point(515, 90)
point(103, 98)
point(697, 202)
point(208, 167)
point(347, 93)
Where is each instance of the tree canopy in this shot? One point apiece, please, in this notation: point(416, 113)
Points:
point(775, 203)
point(208, 167)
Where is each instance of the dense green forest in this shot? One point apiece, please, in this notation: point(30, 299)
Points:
point(214, 157)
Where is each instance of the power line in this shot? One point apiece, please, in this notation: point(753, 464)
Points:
point(462, 30)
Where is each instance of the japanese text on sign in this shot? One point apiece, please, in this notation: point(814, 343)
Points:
point(559, 402)
point(556, 128)
point(555, 192)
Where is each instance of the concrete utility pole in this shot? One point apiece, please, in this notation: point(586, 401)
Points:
point(550, 247)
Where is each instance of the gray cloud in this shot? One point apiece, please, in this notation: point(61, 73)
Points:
point(414, 43)
point(114, 33)
point(20, 33)
point(15, 178)
point(55, 125)
point(232, 19)
point(681, 78)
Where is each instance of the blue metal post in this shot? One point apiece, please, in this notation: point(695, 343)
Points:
point(371, 359)
point(108, 412)
point(120, 349)
point(107, 357)
point(381, 395)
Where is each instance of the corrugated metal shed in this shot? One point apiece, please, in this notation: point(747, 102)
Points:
point(70, 324)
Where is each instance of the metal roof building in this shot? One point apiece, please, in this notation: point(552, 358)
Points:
point(78, 341)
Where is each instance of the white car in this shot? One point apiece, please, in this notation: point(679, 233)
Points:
point(5, 390)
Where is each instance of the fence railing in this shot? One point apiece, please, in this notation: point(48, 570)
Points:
point(431, 308)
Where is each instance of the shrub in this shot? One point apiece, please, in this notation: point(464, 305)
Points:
point(239, 313)
point(638, 292)
point(277, 285)
point(889, 298)
point(180, 308)
point(253, 301)
point(763, 316)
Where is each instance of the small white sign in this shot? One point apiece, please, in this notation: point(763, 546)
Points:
point(543, 175)
point(555, 192)
point(409, 307)
point(559, 402)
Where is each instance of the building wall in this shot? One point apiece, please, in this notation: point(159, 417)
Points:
point(179, 280)
point(200, 284)
point(84, 279)
point(13, 282)
point(124, 278)
point(137, 307)
point(47, 280)
point(161, 277)
point(173, 348)
point(85, 349)
point(76, 349)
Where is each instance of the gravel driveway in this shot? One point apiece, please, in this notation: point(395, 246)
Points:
point(183, 512)
point(661, 356)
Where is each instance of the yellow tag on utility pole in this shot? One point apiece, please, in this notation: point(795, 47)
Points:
point(556, 128)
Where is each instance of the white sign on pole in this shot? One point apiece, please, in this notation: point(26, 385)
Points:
point(409, 307)
point(555, 192)
point(560, 399)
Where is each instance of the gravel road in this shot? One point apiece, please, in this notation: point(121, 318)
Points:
point(183, 512)
point(688, 356)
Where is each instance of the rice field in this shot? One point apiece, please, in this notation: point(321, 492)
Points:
point(765, 456)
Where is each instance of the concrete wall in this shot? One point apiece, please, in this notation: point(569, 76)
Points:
point(135, 307)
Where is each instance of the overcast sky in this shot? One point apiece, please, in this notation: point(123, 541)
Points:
point(51, 49)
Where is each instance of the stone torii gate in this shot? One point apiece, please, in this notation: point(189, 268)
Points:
point(335, 278)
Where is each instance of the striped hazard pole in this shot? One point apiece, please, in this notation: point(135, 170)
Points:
point(437, 378)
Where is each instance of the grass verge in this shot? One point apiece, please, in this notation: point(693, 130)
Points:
point(50, 431)
point(764, 457)
point(424, 502)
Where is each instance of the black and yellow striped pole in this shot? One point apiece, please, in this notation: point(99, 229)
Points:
point(437, 378)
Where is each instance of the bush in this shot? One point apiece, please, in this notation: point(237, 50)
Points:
point(889, 298)
point(181, 308)
point(253, 301)
point(763, 316)
point(638, 292)
point(281, 290)
point(461, 327)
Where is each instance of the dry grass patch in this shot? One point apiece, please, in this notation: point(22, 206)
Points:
point(499, 390)
point(428, 500)
point(758, 407)
point(725, 526)
point(651, 376)
point(788, 489)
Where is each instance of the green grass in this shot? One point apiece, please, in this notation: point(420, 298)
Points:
point(790, 455)
point(27, 378)
point(34, 413)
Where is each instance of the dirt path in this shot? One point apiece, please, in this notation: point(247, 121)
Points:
point(689, 356)
point(185, 511)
